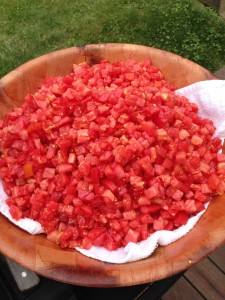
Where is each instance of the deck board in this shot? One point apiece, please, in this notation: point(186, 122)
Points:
point(205, 280)
point(218, 258)
point(182, 290)
point(208, 279)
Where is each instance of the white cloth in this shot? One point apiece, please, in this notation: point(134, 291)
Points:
point(209, 95)
point(210, 98)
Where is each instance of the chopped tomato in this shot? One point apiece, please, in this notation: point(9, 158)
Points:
point(107, 155)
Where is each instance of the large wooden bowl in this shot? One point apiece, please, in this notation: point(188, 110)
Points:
point(46, 258)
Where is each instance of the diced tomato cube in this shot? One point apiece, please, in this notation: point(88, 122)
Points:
point(180, 157)
point(108, 195)
point(195, 162)
point(109, 243)
point(221, 168)
point(167, 163)
point(144, 201)
point(110, 185)
point(146, 218)
point(68, 209)
point(64, 168)
point(177, 195)
point(48, 173)
point(115, 225)
point(180, 219)
point(15, 212)
point(221, 157)
point(137, 182)
point(150, 208)
point(183, 134)
point(99, 240)
point(131, 236)
point(190, 206)
point(83, 135)
point(158, 225)
point(129, 215)
point(85, 195)
point(129, 76)
point(50, 153)
point(196, 140)
point(161, 134)
point(127, 203)
point(149, 127)
point(152, 192)
point(146, 165)
point(159, 169)
point(71, 158)
point(204, 167)
point(199, 206)
point(119, 171)
point(84, 168)
point(86, 243)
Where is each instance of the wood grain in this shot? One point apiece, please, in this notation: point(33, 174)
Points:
point(25, 279)
point(218, 258)
point(207, 279)
point(46, 258)
point(182, 290)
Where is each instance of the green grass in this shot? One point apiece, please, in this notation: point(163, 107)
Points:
point(30, 28)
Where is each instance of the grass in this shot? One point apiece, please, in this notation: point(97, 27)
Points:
point(30, 28)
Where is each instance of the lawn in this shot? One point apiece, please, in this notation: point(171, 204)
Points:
point(30, 28)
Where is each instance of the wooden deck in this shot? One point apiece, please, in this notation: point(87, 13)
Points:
point(206, 280)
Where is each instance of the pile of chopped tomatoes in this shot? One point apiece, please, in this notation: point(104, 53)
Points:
point(107, 155)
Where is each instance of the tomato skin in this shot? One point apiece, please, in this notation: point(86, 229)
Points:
point(108, 155)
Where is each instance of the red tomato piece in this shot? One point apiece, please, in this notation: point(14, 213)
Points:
point(48, 173)
point(131, 236)
point(15, 212)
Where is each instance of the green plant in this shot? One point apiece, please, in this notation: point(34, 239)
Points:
point(186, 27)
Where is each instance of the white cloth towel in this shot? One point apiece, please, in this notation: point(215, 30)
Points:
point(210, 98)
point(209, 95)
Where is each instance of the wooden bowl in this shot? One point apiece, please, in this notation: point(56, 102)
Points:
point(46, 258)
